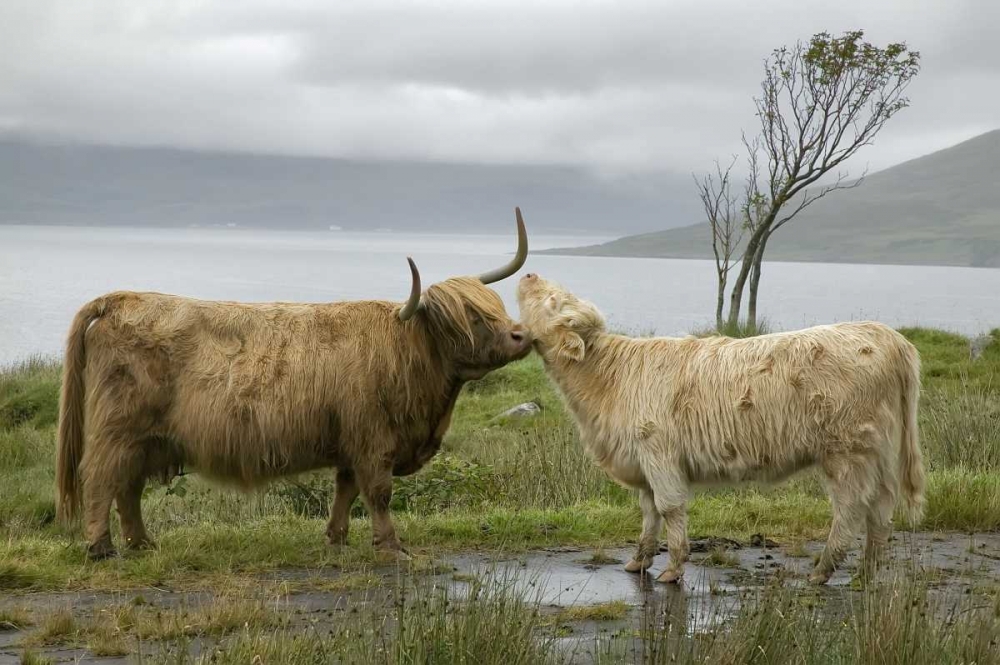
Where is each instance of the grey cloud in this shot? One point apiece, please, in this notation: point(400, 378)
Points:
point(613, 86)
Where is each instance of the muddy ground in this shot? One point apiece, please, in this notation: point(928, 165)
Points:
point(953, 565)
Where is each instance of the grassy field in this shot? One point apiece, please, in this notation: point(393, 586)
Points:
point(498, 485)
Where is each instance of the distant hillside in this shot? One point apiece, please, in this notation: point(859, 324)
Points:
point(100, 185)
point(940, 209)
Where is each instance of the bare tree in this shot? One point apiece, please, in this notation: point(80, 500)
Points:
point(723, 212)
point(820, 103)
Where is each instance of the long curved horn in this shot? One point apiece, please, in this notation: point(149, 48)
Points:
point(413, 303)
point(518, 260)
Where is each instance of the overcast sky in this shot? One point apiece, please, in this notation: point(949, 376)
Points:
point(609, 85)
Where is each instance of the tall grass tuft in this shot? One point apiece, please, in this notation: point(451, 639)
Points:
point(891, 620)
point(738, 330)
point(492, 625)
point(29, 393)
point(960, 426)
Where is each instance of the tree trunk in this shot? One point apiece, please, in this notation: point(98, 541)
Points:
point(752, 299)
point(736, 298)
point(758, 259)
point(720, 301)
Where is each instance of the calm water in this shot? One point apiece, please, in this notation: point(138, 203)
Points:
point(46, 273)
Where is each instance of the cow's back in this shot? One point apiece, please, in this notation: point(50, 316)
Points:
point(243, 391)
point(735, 409)
point(764, 407)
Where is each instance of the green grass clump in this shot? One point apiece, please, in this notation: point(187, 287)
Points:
point(226, 613)
point(29, 394)
point(58, 627)
point(721, 557)
point(14, 618)
point(104, 641)
point(113, 630)
point(17, 575)
point(739, 330)
point(491, 626)
point(614, 610)
point(29, 657)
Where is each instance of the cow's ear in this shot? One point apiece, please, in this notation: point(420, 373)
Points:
point(571, 346)
point(569, 342)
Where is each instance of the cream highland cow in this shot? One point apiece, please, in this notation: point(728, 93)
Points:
point(665, 414)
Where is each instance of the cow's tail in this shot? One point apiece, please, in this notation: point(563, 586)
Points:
point(71, 413)
point(910, 458)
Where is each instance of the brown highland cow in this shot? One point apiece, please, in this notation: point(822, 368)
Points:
point(245, 393)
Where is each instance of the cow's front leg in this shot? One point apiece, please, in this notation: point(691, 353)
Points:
point(670, 492)
point(340, 512)
point(376, 489)
point(649, 540)
point(675, 518)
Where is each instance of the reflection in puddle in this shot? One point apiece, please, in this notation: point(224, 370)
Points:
point(706, 597)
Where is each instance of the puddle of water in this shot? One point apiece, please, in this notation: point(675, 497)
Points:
point(706, 596)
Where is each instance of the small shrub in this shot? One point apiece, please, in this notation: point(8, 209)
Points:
point(308, 497)
point(445, 482)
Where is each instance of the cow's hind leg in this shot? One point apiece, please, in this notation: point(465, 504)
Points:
point(376, 489)
point(649, 543)
point(852, 484)
point(879, 520)
point(129, 502)
point(107, 468)
point(340, 512)
point(97, 527)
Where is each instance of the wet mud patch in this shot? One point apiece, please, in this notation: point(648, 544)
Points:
point(584, 596)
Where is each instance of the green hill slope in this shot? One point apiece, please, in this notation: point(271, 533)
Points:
point(940, 209)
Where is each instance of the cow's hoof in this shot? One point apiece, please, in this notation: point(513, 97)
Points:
point(394, 554)
point(392, 549)
point(140, 544)
point(336, 538)
point(670, 576)
point(101, 551)
point(819, 579)
point(637, 566)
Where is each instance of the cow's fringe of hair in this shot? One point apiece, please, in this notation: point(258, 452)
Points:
point(450, 305)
